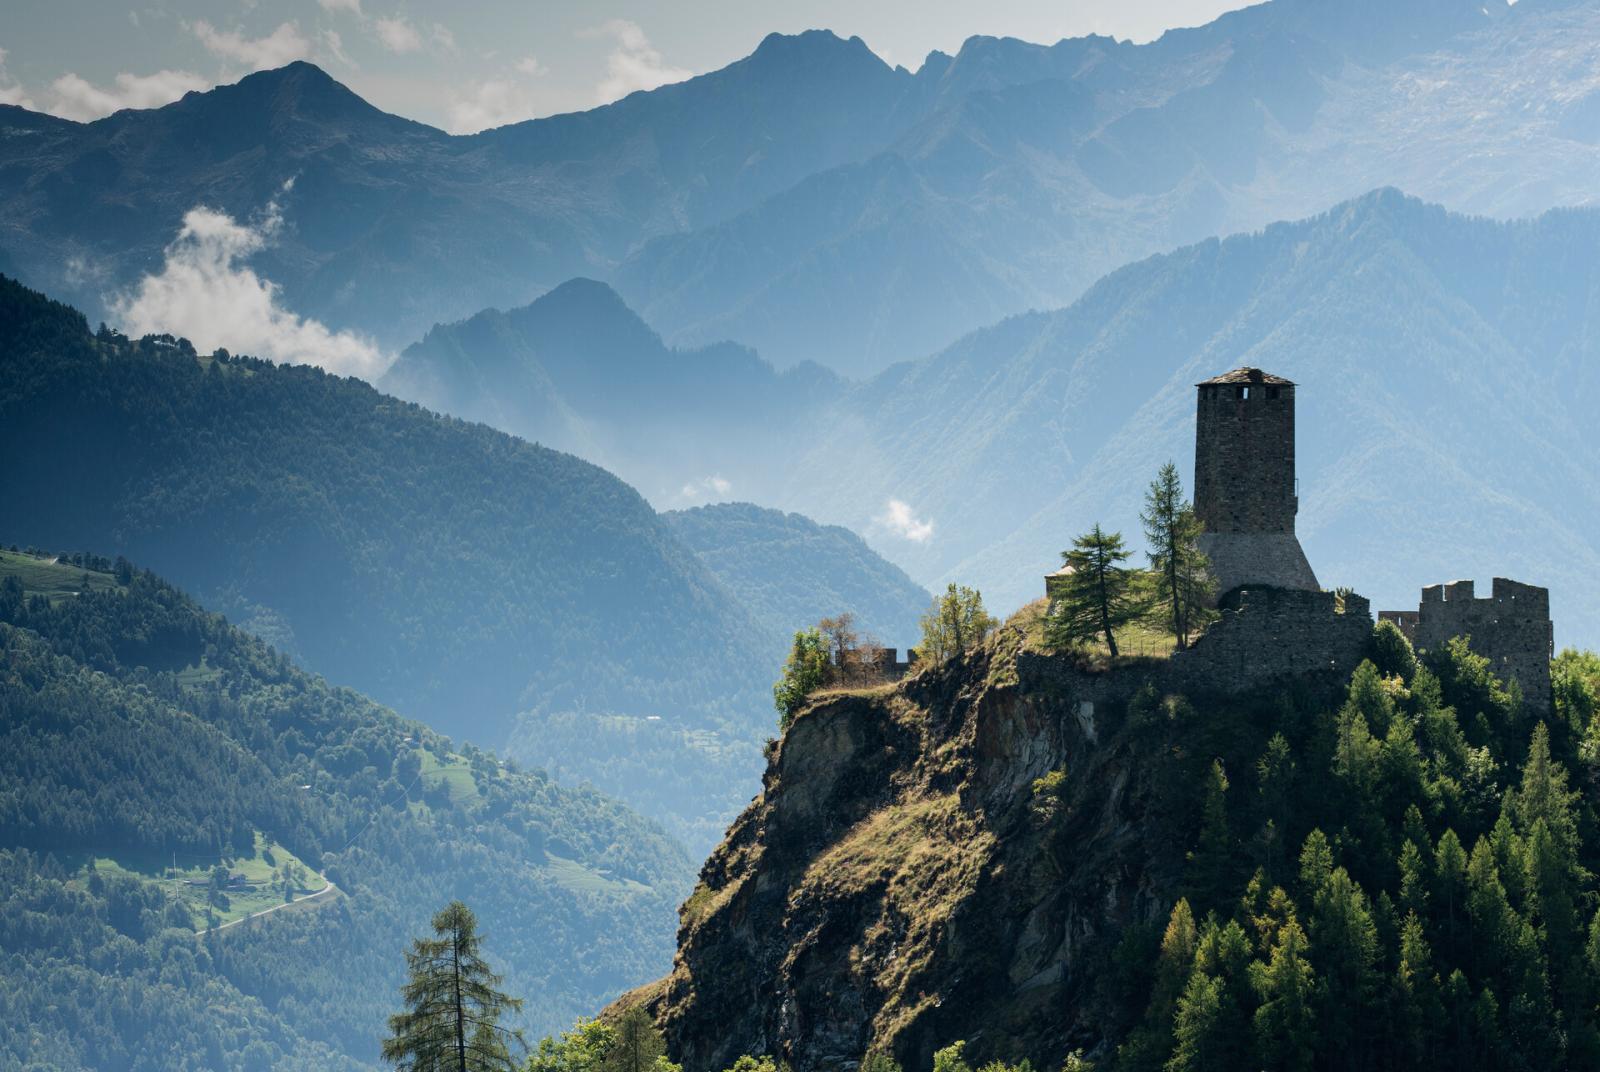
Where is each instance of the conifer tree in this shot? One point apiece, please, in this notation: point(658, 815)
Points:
point(1450, 882)
point(1416, 1007)
point(1489, 910)
point(1098, 595)
point(1198, 1031)
point(1182, 577)
point(1413, 880)
point(1345, 937)
point(1212, 864)
point(1275, 781)
point(1316, 862)
point(453, 1006)
point(637, 1045)
point(1285, 1022)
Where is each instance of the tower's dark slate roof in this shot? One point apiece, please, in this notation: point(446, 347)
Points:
point(1247, 375)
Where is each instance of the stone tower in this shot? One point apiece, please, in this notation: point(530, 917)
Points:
point(1245, 493)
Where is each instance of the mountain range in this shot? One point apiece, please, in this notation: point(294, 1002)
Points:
point(812, 201)
point(1445, 364)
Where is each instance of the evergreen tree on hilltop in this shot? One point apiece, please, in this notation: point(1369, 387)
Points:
point(1182, 577)
point(453, 1007)
point(1098, 595)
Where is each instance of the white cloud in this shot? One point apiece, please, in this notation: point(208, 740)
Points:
point(634, 64)
point(706, 488)
point(444, 37)
point(898, 519)
point(12, 92)
point(206, 293)
point(77, 98)
point(493, 103)
point(335, 46)
point(283, 45)
point(397, 35)
point(348, 7)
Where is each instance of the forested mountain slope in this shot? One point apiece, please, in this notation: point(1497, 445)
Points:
point(444, 567)
point(812, 201)
point(798, 572)
point(139, 732)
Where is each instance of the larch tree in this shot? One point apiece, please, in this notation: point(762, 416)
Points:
point(453, 1004)
point(1182, 574)
point(1097, 596)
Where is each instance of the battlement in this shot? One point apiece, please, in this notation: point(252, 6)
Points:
point(886, 661)
point(1510, 627)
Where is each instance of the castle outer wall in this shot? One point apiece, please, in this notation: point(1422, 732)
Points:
point(1511, 628)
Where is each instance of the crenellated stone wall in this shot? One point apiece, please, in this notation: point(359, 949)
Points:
point(1511, 628)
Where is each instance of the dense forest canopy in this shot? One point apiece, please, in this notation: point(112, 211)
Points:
point(136, 729)
point(1406, 880)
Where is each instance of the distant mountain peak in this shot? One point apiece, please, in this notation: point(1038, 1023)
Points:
point(810, 47)
point(301, 91)
point(585, 292)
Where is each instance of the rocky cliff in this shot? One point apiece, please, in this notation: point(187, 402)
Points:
point(957, 857)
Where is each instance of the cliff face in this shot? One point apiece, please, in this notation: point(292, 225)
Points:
point(902, 883)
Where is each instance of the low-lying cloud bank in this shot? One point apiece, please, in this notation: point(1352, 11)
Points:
point(207, 293)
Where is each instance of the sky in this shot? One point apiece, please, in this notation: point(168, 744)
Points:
point(470, 64)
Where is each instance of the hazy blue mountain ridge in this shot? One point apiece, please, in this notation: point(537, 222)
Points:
point(1445, 360)
point(815, 203)
point(579, 371)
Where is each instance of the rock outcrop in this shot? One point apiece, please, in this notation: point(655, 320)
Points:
point(905, 879)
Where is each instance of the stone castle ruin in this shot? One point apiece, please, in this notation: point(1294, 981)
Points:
point(1511, 628)
point(1275, 619)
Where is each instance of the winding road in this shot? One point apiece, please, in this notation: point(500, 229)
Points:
point(327, 891)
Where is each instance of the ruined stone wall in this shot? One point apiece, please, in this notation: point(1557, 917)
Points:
point(1511, 628)
point(1266, 634)
point(1265, 637)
